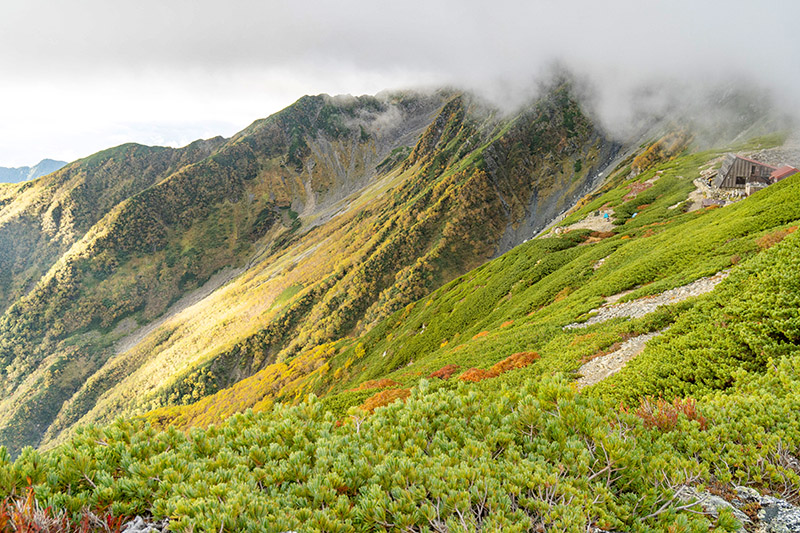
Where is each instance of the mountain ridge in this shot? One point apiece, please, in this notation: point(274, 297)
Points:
point(18, 174)
point(315, 324)
point(326, 217)
point(465, 399)
point(280, 179)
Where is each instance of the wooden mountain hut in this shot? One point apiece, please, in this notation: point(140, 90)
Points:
point(736, 171)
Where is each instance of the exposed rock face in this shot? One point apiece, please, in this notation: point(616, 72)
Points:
point(711, 503)
point(774, 516)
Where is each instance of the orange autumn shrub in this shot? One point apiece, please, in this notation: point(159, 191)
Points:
point(563, 293)
point(26, 514)
point(771, 239)
point(446, 372)
point(512, 362)
point(664, 415)
point(474, 375)
point(385, 398)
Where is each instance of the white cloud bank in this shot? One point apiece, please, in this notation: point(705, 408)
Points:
point(79, 76)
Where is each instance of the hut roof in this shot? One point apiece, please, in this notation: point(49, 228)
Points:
point(783, 172)
point(756, 162)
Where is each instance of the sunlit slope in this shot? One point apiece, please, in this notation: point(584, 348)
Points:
point(430, 218)
point(41, 219)
point(325, 218)
point(521, 301)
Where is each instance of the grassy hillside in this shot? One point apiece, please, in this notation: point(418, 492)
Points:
point(370, 399)
point(520, 302)
point(518, 452)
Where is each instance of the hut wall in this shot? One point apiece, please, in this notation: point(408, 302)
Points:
point(740, 171)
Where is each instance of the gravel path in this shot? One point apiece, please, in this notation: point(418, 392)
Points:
point(648, 304)
point(600, 368)
point(592, 222)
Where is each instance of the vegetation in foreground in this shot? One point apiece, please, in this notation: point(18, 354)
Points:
point(517, 451)
point(535, 456)
point(457, 411)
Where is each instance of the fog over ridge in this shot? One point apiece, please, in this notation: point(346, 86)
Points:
point(94, 73)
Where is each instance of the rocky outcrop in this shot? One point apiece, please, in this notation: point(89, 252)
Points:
point(774, 515)
point(762, 514)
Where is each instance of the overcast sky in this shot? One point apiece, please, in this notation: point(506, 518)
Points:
point(77, 76)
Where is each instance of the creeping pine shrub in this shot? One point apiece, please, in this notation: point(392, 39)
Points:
point(533, 457)
point(664, 415)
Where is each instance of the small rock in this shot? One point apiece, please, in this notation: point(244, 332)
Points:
point(140, 525)
point(711, 504)
point(746, 494)
point(779, 516)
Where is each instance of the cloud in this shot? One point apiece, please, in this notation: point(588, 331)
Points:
point(203, 62)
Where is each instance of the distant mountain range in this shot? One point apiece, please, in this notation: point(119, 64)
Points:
point(44, 167)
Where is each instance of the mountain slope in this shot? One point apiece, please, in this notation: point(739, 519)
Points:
point(519, 449)
point(333, 214)
point(520, 302)
point(381, 254)
point(40, 221)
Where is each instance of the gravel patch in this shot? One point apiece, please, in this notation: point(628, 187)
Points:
point(788, 154)
point(643, 306)
point(602, 367)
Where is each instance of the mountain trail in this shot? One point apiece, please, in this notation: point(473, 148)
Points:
point(607, 365)
point(601, 220)
point(642, 306)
